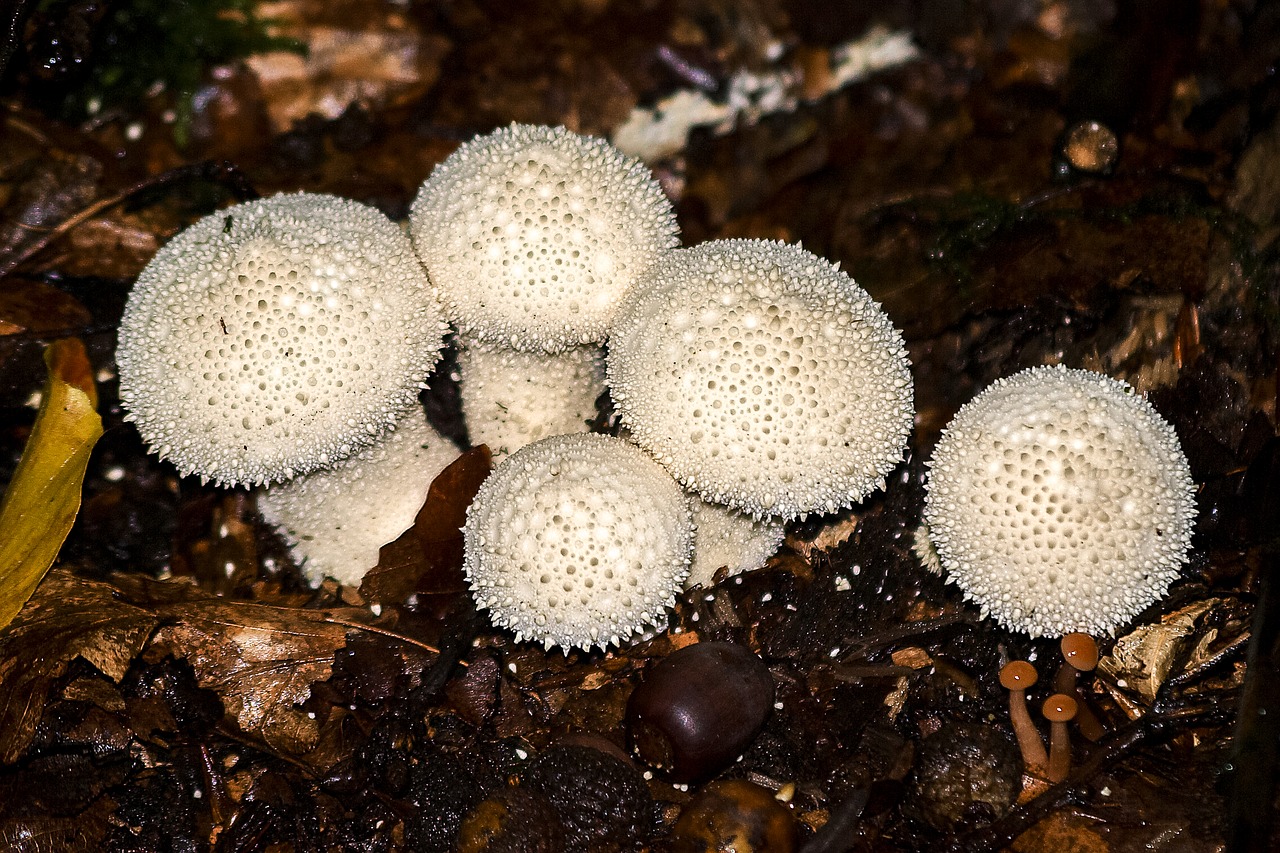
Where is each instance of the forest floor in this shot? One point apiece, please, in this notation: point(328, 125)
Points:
point(1018, 182)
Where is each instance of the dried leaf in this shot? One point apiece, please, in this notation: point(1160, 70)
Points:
point(66, 618)
point(427, 558)
point(27, 305)
point(260, 660)
point(44, 495)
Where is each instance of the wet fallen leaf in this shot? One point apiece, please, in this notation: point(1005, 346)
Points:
point(261, 660)
point(1143, 659)
point(68, 617)
point(44, 495)
point(27, 305)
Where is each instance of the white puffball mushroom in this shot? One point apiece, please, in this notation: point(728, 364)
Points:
point(336, 520)
point(726, 538)
point(1060, 501)
point(533, 234)
point(577, 540)
point(276, 337)
point(762, 377)
point(511, 399)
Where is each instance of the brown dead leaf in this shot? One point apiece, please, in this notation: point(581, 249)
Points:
point(33, 306)
point(1063, 833)
point(1144, 658)
point(379, 59)
point(427, 558)
point(260, 660)
point(66, 618)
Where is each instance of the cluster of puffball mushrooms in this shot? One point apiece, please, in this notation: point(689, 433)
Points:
point(282, 344)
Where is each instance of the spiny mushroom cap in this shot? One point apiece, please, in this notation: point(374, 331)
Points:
point(577, 540)
point(533, 234)
point(762, 377)
point(511, 399)
point(276, 337)
point(1060, 501)
point(335, 520)
point(726, 538)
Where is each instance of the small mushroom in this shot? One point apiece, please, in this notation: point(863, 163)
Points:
point(532, 236)
point(1019, 676)
point(276, 337)
point(1079, 655)
point(1059, 709)
point(577, 540)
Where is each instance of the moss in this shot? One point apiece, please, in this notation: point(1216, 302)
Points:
point(144, 46)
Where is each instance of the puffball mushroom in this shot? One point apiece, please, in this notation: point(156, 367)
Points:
point(731, 540)
point(762, 377)
point(533, 235)
point(276, 337)
point(511, 399)
point(1060, 501)
point(577, 540)
point(336, 520)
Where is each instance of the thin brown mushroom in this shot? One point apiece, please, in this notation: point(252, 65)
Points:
point(1059, 709)
point(1017, 676)
point(1080, 654)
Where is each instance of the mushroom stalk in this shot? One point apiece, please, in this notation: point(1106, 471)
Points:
point(730, 540)
point(1079, 654)
point(511, 399)
point(1017, 677)
point(1059, 709)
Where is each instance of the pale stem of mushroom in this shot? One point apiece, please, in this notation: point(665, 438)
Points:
point(511, 399)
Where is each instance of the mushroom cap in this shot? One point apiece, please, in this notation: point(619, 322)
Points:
point(533, 234)
point(511, 399)
point(276, 337)
point(1018, 675)
point(762, 377)
point(1059, 708)
point(727, 538)
point(577, 540)
point(1080, 651)
point(1060, 501)
point(336, 520)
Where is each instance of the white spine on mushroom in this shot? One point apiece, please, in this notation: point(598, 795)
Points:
point(1060, 501)
point(729, 539)
point(336, 520)
point(532, 235)
point(577, 540)
point(511, 399)
point(762, 377)
point(276, 337)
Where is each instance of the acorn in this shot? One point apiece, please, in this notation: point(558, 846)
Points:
point(698, 709)
point(734, 815)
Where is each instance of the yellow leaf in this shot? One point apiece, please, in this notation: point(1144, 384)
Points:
point(44, 495)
